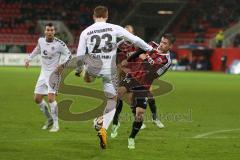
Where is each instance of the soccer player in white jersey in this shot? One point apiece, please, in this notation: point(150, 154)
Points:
point(50, 49)
point(99, 41)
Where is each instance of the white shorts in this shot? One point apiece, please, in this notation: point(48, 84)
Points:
point(42, 86)
point(109, 85)
point(109, 82)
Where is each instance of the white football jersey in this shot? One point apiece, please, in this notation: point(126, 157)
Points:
point(50, 53)
point(100, 41)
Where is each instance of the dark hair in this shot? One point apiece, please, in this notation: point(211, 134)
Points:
point(170, 37)
point(101, 12)
point(49, 25)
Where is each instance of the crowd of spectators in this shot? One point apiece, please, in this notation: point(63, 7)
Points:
point(202, 15)
point(76, 14)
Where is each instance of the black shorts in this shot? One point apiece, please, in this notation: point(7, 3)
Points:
point(129, 83)
point(140, 93)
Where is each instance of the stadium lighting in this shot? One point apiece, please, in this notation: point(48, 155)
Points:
point(164, 12)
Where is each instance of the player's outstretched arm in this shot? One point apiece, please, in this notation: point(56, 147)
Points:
point(30, 57)
point(81, 51)
point(135, 55)
point(134, 39)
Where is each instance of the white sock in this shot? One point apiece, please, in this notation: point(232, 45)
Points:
point(109, 113)
point(54, 112)
point(44, 109)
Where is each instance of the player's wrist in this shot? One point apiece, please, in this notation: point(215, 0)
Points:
point(150, 49)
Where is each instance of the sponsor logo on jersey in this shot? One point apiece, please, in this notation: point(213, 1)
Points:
point(45, 52)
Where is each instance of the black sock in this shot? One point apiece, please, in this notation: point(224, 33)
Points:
point(118, 111)
point(153, 108)
point(135, 128)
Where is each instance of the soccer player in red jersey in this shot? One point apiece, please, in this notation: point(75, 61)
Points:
point(142, 69)
point(126, 49)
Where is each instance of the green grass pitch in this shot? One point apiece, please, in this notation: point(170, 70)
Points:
point(210, 129)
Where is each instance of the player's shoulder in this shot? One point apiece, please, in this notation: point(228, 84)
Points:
point(41, 39)
point(59, 41)
point(117, 27)
point(86, 30)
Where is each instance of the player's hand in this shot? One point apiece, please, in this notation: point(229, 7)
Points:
point(59, 69)
point(143, 56)
point(26, 63)
point(124, 62)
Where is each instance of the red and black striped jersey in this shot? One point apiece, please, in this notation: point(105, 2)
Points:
point(145, 71)
point(125, 49)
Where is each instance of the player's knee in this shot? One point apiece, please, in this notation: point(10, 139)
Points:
point(38, 99)
point(51, 97)
point(139, 116)
point(50, 100)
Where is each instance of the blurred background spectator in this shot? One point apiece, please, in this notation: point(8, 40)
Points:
point(219, 39)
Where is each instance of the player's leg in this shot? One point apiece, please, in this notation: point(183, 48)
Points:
point(133, 109)
point(119, 105)
point(118, 111)
point(52, 103)
point(87, 77)
point(122, 90)
point(139, 101)
point(54, 111)
point(136, 126)
point(116, 123)
point(38, 98)
point(152, 105)
point(109, 87)
point(153, 108)
point(40, 91)
point(137, 122)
